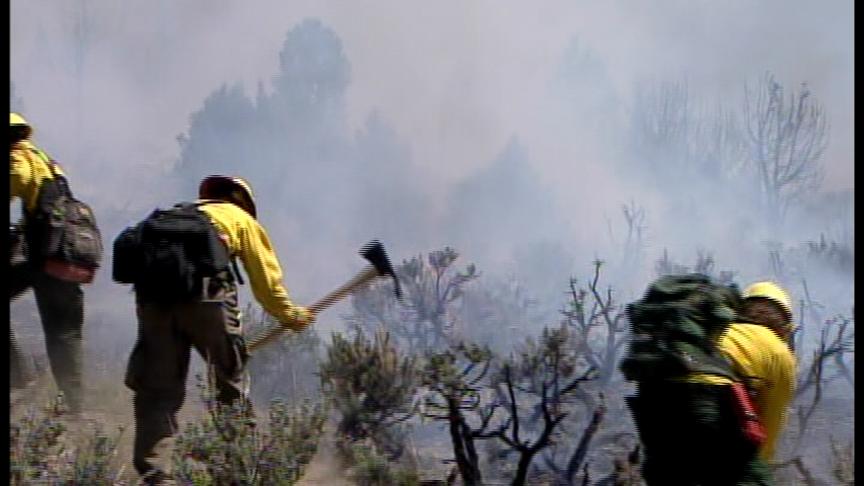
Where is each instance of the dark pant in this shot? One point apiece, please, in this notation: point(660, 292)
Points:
point(691, 437)
point(159, 366)
point(61, 309)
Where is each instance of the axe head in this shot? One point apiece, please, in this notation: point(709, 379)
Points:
point(374, 252)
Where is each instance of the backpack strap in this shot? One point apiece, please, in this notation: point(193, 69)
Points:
point(62, 182)
point(197, 204)
point(236, 270)
point(715, 365)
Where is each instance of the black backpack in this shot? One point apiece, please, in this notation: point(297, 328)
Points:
point(676, 326)
point(168, 255)
point(61, 233)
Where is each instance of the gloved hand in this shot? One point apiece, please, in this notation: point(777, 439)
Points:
point(303, 317)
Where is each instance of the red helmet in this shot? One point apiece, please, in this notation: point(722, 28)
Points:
point(229, 188)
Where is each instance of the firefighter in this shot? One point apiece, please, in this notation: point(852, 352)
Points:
point(158, 366)
point(60, 302)
point(692, 431)
point(765, 358)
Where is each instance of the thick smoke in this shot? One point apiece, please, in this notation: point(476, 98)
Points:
point(533, 141)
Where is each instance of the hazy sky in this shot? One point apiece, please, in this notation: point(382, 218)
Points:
point(455, 78)
point(111, 84)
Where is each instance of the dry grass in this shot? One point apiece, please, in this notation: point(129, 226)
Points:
point(49, 446)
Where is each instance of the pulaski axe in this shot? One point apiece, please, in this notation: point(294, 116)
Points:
point(380, 267)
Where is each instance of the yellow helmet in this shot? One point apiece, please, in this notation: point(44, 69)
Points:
point(21, 130)
point(770, 290)
point(229, 188)
point(16, 119)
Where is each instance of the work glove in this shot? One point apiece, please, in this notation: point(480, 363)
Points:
point(303, 317)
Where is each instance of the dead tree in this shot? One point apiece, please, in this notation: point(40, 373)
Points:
point(719, 145)
point(635, 217)
point(495, 314)
point(521, 404)
point(661, 122)
point(552, 415)
point(578, 457)
point(676, 135)
point(843, 468)
point(421, 322)
point(836, 341)
point(455, 379)
point(839, 256)
point(594, 317)
point(787, 136)
point(666, 266)
point(836, 347)
point(536, 391)
point(634, 243)
point(819, 365)
point(705, 264)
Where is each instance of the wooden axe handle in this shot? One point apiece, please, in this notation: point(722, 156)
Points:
point(358, 281)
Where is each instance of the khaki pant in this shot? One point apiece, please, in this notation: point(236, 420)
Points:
point(61, 309)
point(159, 366)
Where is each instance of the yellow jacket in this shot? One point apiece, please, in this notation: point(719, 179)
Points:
point(769, 366)
point(247, 240)
point(28, 170)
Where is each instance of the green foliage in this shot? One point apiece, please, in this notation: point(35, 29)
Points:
point(372, 386)
point(35, 444)
point(371, 468)
point(228, 447)
point(450, 371)
point(95, 463)
point(552, 354)
point(39, 451)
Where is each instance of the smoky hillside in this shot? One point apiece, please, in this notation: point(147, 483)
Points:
point(521, 158)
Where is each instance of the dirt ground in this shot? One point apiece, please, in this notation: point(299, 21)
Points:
point(325, 469)
point(109, 406)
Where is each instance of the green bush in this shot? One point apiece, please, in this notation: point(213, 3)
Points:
point(39, 452)
point(372, 386)
point(227, 446)
point(371, 468)
point(35, 445)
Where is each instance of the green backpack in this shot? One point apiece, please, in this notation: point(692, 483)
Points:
point(676, 326)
